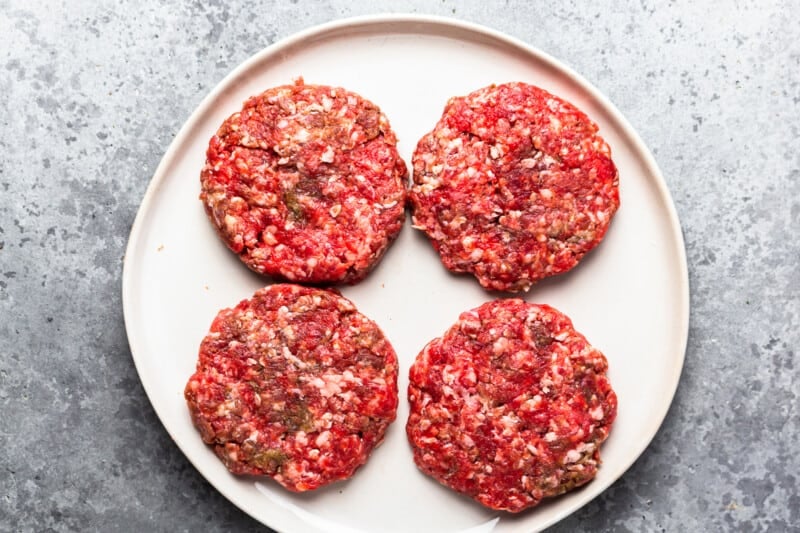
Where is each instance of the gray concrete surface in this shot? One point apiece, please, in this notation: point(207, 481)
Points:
point(91, 94)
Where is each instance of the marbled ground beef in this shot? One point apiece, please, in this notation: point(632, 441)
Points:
point(513, 185)
point(305, 184)
point(294, 384)
point(510, 405)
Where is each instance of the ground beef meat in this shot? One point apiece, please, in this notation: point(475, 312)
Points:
point(305, 184)
point(513, 185)
point(295, 384)
point(510, 406)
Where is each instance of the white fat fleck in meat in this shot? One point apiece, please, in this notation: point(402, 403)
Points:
point(509, 422)
point(469, 378)
point(329, 384)
point(231, 223)
point(531, 404)
point(296, 361)
point(455, 143)
point(597, 413)
point(328, 155)
point(429, 185)
point(323, 438)
point(301, 438)
point(288, 332)
point(448, 375)
point(572, 456)
point(226, 408)
point(476, 254)
point(500, 345)
point(470, 324)
point(458, 221)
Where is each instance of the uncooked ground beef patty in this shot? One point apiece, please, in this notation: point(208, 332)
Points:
point(510, 405)
point(513, 185)
point(305, 184)
point(295, 384)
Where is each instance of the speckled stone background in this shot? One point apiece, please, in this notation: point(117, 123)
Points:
point(93, 92)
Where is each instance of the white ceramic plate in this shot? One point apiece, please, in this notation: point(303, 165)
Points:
point(629, 296)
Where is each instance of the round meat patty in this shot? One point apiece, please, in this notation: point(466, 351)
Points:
point(513, 185)
point(510, 406)
point(305, 184)
point(295, 384)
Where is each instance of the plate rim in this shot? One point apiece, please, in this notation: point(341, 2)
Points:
point(366, 22)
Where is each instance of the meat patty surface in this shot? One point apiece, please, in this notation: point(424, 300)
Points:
point(513, 185)
point(296, 384)
point(510, 405)
point(305, 184)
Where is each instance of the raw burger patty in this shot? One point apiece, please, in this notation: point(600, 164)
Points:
point(305, 184)
point(510, 406)
point(513, 185)
point(295, 384)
